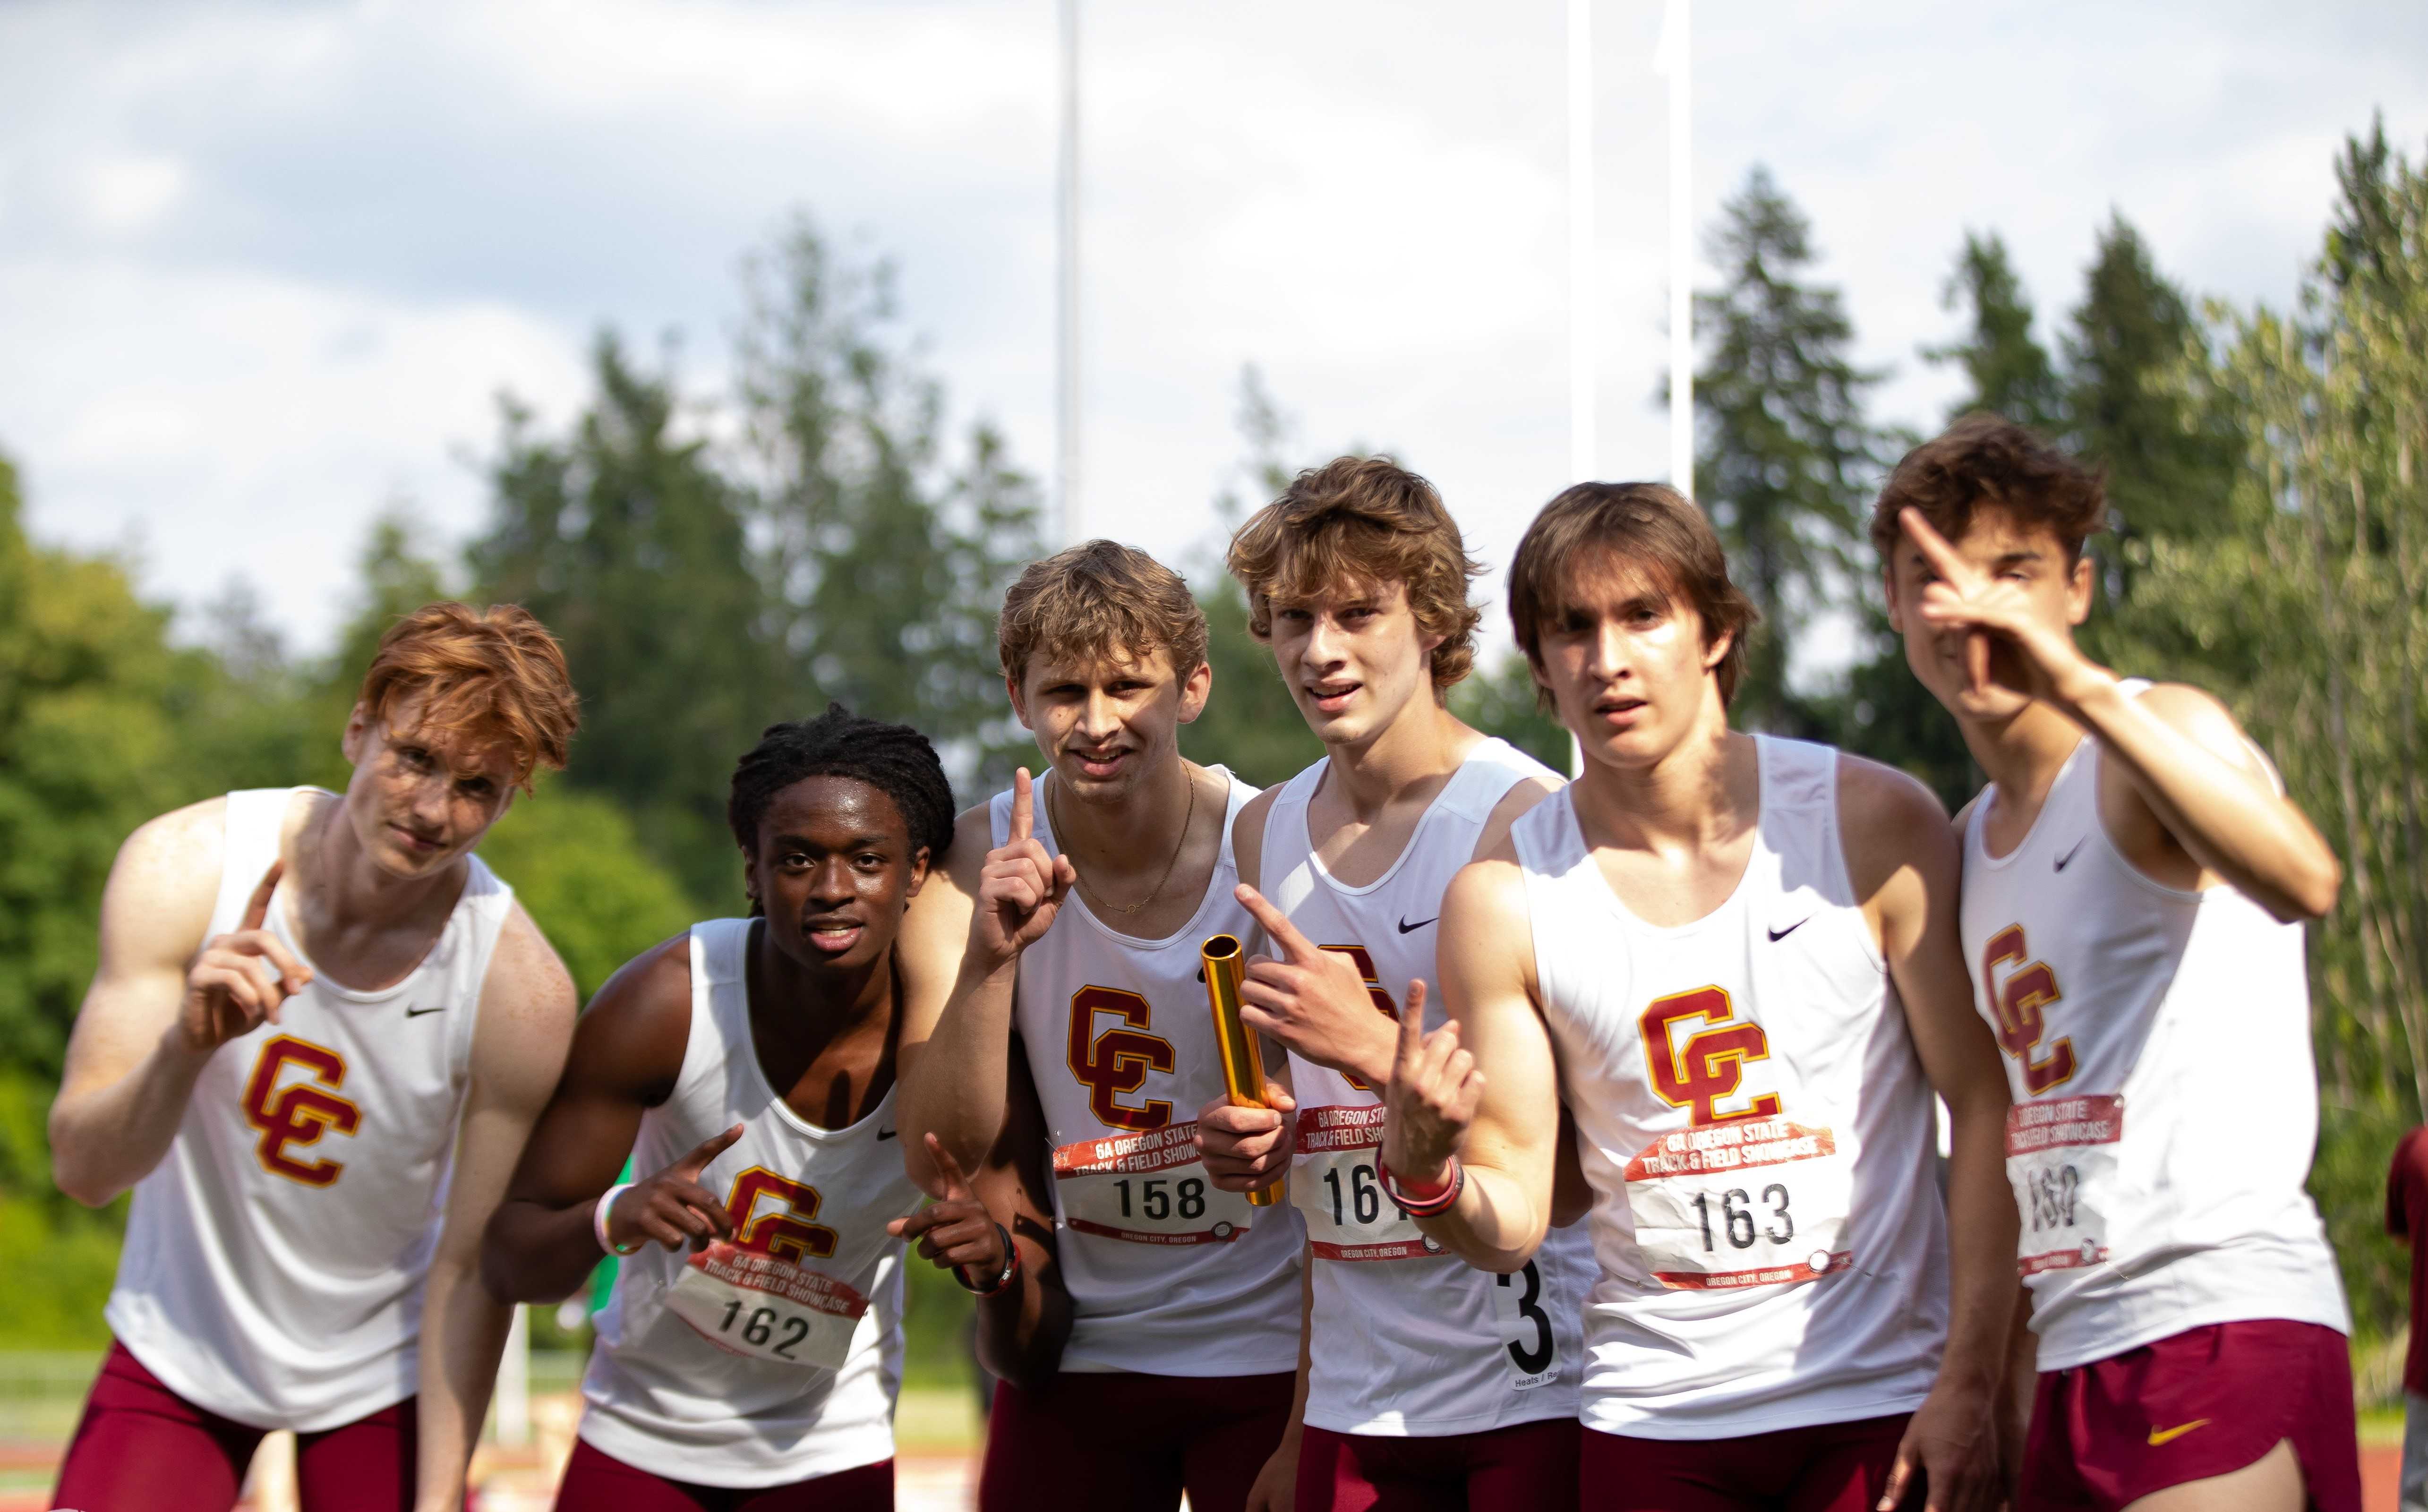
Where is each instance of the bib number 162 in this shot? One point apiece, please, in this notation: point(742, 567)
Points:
point(763, 1325)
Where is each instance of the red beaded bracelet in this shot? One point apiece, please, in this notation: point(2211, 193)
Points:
point(1428, 1207)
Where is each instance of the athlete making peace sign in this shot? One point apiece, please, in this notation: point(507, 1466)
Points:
point(753, 1347)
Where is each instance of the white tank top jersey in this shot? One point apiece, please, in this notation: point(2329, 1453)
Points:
point(1407, 1340)
point(775, 1357)
point(1167, 1274)
point(274, 1259)
point(2157, 1047)
point(1757, 1129)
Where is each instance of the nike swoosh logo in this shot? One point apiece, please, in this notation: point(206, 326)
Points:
point(1776, 935)
point(2160, 1436)
point(2061, 866)
point(417, 1012)
point(1405, 927)
point(887, 1133)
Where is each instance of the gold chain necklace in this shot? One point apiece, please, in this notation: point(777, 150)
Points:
point(1053, 806)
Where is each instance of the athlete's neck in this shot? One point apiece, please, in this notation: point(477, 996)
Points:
point(825, 1036)
point(1130, 832)
point(2023, 754)
point(1411, 756)
point(1701, 793)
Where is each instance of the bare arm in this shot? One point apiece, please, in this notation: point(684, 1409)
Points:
point(2206, 790)
point(955, 1056)
point(527, 1011)
point(162, 1002)
point(1906, 863)
point(1510, 1144)
point(1020, 1333)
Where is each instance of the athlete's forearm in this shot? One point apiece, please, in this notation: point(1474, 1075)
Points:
point(2266, 849)
point(953, 1086)
point(535, 1252)
point(1021, 1332)
point(105, 1140)
point(1981, 1223)
point(1492, 1226)
point(463, 1332)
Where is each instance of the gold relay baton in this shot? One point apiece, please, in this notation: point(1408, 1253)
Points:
point(1243, 1064)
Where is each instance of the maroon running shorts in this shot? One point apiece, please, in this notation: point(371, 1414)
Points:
point(2206, 1402)
point(596, 1481)
point(1828, 1467)
point(1129, 1442)
point(142, 1448)
point(1520, 1467)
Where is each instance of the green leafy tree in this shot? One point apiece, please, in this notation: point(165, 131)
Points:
point(1787, 456)
point(1499, 699)
point(887, 564)
point(578, 866)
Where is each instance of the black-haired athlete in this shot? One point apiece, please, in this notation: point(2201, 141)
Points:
point(751, 1353)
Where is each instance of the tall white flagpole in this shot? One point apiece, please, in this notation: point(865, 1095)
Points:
point(1069, 519)
point(1676, 58)
point(1582, 462)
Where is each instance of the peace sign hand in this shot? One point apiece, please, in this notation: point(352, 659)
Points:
point(2008, 643)
point(1432, 1097)
point(955, 1230)
point(1313, 1000)
point(1022, 887)
point(239, 978)
point(671, 1207)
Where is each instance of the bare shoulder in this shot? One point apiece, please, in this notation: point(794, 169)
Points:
point(1486, 943)
point(528, 989)
point(1247, 836)
point(165, 883)
point(1514, 804)
point(1888, 821)
point(972, 837)
point(634, 1033)
point(2205, 718)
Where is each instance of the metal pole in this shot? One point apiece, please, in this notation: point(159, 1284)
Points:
point(1068, 516)
point(1582, 461)
point(1676, 59)
point(513, 1383)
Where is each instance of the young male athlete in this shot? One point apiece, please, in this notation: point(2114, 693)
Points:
point(1735, 958)
point(1425, 1383)
point(750, 1356)
point(2134, 885)
point(1094, 893)
point(319, 1032)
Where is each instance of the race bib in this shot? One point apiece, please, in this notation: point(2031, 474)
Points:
point(1524, 1315)
point(771, 1309)
point(1338, 1187)
point(1750, 1203)
point(2062, 1162)
point(1146, 1188)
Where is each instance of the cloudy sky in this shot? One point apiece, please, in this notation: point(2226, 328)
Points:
point(264, 269)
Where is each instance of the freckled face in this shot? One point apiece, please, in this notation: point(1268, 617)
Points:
point(420, 798)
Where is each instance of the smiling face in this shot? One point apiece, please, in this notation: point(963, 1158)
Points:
point(1354, 658)
point(1627, 665)
point(419, 800)
point(2055, 581)
point(1104, 723)
point(834, 870)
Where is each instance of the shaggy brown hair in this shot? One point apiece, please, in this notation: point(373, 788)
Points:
point(1100, 599)
point(1648, 527)
point(494, 676)
point(1989, 461)
point(1362, 521)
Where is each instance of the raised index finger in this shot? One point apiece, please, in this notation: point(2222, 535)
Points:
point(257, 909)
point(948, 1171)
point(1412, 1025)
point(1934, 547)
point(1023, 805)
point(697, 1160)
point(1278, 925)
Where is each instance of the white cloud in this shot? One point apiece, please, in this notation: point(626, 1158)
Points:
point(129, 193)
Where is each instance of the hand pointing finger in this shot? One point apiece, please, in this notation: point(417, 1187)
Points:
point(257, 909)
point(1294, 945)
point(1023, 806)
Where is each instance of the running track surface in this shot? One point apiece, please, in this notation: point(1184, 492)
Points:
point(942, 1482)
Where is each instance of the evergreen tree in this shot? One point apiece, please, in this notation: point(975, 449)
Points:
point(2170, 458)
point(1787, 455)
point(2008, 372)
point(629, 544)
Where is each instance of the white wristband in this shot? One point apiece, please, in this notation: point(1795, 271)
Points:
point(599, 1220)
